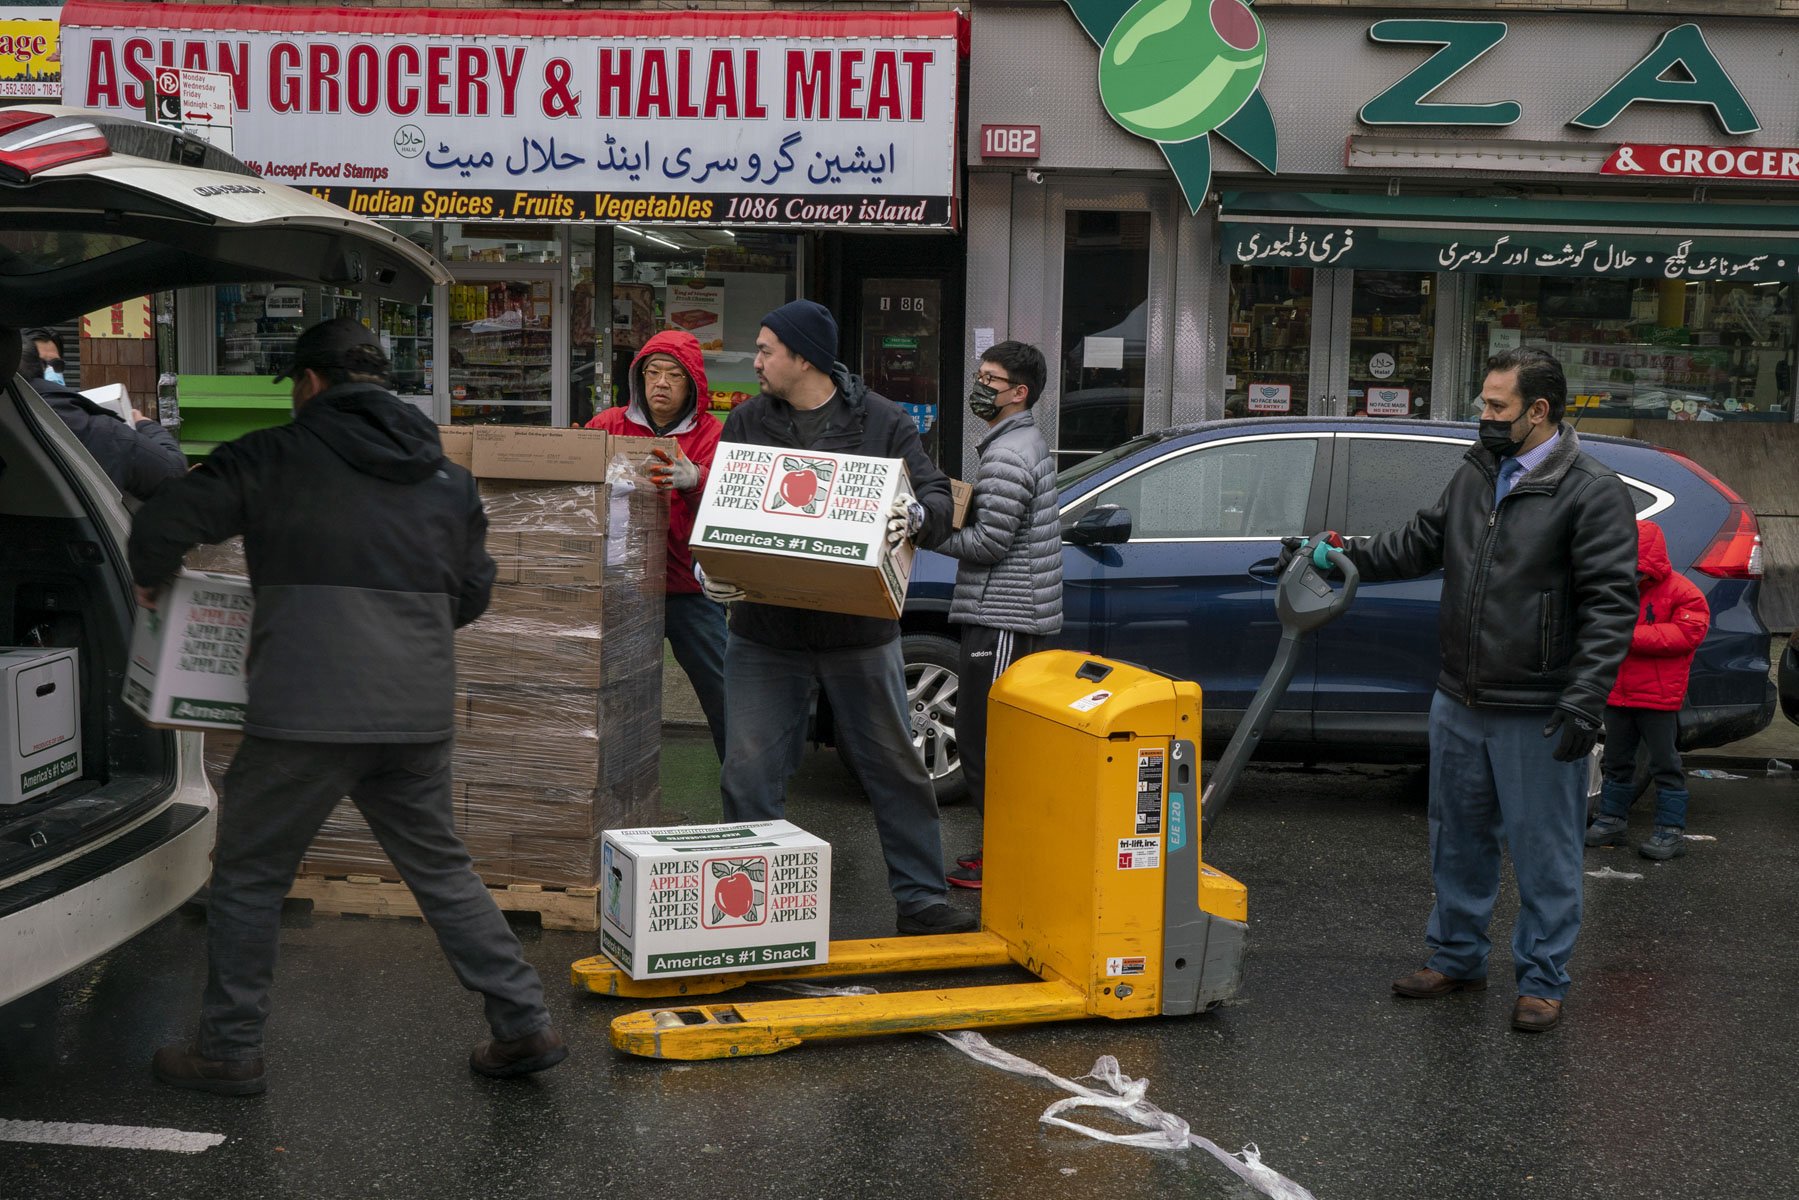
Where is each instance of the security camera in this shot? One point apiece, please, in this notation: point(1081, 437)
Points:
point(1034, 176)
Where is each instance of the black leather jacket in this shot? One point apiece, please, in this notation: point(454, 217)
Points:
point(1540, 596)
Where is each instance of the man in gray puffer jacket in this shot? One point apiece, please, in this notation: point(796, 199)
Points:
point(1009, 582)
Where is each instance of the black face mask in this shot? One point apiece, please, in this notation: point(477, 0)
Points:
point(981, 401)
point(1497, 436)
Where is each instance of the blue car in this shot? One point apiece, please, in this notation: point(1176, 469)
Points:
point(1170, 547)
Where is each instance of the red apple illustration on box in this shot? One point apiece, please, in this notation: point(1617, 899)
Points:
point(800, 486)
point(735, 892)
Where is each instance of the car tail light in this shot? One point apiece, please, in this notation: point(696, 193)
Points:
point(30, 146)
point(18, 119)
point(1735, 551)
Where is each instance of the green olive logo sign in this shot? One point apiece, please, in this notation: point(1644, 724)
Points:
point(1175, 71)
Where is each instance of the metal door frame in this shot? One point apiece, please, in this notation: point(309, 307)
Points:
point(491, 272)
point(1158, 199)
point(1333, 300)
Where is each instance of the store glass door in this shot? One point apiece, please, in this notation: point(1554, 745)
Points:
point(1391, 335)
point(506, 363)
point(1279, 337)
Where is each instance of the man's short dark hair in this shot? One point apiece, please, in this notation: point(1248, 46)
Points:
point(1539, 377)
point(45, 335)
point(31, 364)
point(1022, 363)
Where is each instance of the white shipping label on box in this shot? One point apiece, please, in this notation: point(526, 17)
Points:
point(804, 528)
point(190, 654)
point(700, 899)
point(40, 706)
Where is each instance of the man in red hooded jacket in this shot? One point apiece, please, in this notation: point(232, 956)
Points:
point(1672, 618)
point(668, 398)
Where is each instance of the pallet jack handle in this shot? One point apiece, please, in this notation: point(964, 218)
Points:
point(1305, 602)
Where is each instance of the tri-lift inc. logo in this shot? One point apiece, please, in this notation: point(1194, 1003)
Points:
point(1176, 71)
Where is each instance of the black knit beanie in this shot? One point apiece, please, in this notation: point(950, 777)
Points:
point(808, 329)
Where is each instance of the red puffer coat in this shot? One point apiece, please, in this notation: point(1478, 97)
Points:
point(1672, 618)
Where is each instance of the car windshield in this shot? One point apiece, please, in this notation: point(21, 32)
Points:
point(1099, 462)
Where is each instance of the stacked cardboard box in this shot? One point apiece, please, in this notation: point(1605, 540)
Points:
point(559, 684)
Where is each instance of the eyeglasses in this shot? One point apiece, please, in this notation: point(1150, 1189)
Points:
point(997, 382)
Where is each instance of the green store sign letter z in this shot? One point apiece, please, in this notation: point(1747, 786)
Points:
point(1176, 71)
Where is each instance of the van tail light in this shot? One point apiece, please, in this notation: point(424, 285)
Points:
point(31, 146)
point(18, 119)
point(1735, 551)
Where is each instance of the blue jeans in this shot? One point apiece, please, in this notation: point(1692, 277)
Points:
point(1492, 774)
point(768, 694)
point(1657, 731)
point(695, 627)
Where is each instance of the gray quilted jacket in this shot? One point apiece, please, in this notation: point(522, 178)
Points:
point(1010, 549)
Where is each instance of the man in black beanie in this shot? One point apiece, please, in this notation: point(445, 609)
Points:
point(777, 657)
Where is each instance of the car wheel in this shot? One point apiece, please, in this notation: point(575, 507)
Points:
point(931, 684)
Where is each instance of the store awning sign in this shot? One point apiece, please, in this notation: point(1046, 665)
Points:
point(1765, 163)
point(30, 58)
point(752, 118)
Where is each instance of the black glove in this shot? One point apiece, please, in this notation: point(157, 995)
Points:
point(1580, 733)
point(1291, 546)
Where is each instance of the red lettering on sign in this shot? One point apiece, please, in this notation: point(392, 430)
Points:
point(615, 83)
point(402, 97)
point(652, 86)
point(437, 81)
point(284, 84)
point(848, 84)
point(322, 95)
point(102, 78)
point(362, 79)
point(136, 51)
point(808, 84)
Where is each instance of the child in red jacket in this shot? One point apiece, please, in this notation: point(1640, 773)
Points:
point(1672, 618)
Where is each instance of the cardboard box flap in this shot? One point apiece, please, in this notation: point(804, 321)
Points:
point(537, 453)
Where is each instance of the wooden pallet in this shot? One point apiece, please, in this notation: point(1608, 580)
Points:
point(576, 908)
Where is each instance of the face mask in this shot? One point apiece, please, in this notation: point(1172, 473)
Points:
point(52, 376)
point(981, 401)
point(1497, 436)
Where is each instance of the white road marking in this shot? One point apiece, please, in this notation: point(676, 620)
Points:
point(108, 1137)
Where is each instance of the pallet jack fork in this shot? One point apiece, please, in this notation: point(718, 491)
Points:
point(1093, 876)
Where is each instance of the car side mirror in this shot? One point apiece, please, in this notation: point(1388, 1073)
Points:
point(1105, 525)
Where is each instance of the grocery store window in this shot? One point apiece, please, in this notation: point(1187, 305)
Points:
point(713, 283)
point(1646, 349)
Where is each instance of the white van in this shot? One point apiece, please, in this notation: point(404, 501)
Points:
point(94, 209)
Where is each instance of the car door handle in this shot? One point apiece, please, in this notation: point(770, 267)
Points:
point(1265, 571)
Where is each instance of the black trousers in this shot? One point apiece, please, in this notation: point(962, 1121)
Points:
point(985, 654)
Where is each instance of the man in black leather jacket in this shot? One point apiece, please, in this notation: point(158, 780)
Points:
point(1537, 543)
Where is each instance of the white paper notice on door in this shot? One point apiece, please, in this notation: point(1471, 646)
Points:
point(983, 340)
point(1102, 353)
point(1270, 397)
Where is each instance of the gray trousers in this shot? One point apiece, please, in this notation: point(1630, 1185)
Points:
point(276, 795)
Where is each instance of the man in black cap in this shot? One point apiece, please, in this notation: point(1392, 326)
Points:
point(366, 551)
point(777, 657)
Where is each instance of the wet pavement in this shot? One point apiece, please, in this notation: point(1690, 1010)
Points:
point(1671, 1077)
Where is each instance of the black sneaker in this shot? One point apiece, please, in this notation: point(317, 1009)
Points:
point(1668, 841)
point(966, 877)
point(939, 918)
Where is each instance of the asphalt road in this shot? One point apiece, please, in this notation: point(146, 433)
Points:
point(1671, 1076)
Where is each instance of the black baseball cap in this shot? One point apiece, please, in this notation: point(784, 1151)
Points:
point(342, 342)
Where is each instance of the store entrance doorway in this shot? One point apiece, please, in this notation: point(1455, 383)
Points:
point(505, 363)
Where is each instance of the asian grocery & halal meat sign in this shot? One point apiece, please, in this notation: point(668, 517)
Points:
point(813, 119)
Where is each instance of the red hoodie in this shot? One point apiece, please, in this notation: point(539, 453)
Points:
point(1672, 618)
point(696, 430)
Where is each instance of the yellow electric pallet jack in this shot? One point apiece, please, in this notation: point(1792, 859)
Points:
point(1092, 876)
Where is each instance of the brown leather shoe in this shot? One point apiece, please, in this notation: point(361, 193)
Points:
point(182, 1066)
point(534, 1052)
point(1428, 984)
point(1536, 1014)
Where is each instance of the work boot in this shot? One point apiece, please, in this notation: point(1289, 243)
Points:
point(1536, 1014)
point(182, 1066)
point(939, 918)
point(534, 1052)
point(1427, 984)
point(968, 875)
point(1668, 841)
point(1607, 831)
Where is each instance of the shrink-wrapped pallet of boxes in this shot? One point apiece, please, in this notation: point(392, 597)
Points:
point(559, 683)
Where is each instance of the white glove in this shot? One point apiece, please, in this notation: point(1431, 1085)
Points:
point(904, 519)
point(716, 590)
point(679, 472)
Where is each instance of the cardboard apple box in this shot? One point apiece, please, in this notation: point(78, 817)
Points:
point(40, 720)
point(804, 529)
point(189, 655)
point(699, 899)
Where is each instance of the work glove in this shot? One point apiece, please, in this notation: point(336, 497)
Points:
point(904, 519)
point(1580, 733)
point(1291, 546)
point(717, 590)
point(679, 472)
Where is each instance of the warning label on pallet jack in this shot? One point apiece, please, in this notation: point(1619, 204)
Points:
point(1135, 964)
point(1139, 853)
point(1149, 790)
